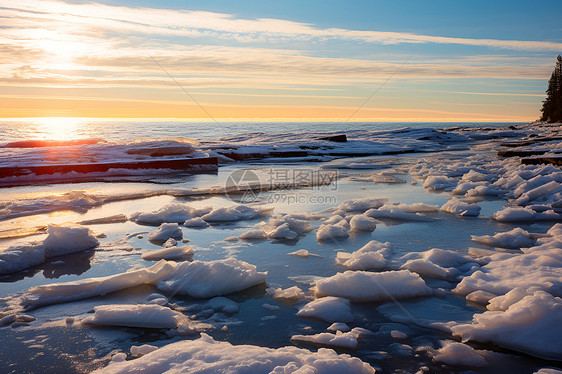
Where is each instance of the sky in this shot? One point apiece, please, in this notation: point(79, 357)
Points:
point(352, 60)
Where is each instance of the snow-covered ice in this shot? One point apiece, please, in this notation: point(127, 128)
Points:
point(214, 278)
point(206, 355)
point(368, 286)
point(146, 316)
point(329, 309)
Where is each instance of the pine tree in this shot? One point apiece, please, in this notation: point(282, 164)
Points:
point(552, 106)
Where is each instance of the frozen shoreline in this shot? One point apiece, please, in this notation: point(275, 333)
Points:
point(461, 184)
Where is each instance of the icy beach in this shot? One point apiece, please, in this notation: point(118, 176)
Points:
point(401, 249)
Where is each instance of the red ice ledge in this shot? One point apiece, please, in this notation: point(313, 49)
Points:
point(189, 164)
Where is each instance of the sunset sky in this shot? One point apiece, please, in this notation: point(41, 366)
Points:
point(423, 61)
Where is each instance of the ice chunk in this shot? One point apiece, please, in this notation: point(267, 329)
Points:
point(474, 176)
point(461, 208)
point(396, 334)
point(370, 256)
point(548, 371)
point(173, 213)
point(415, 207)
point(194, 356)
point(214, 278)
point(368, 286)
point(524, 214)
point(166, 231)
point(532, 325)
point(480, 297)
point(454, 353)
point(62, 240)
point(427, 268)
point(329, 231)
point(17, 258)
point(254, 235)
point(195, 222)
point(541, 267)
point(329, 309)
point(393, 212)
point(141, 350)
point(338, 326)
point(439, 182)
point(441, 257)
point(236, 213)
point(171, 254)
point(303, 253)
point(516, 238)
point(340, 339)
point(140, 315)
point(290, 295)
point(361, 222)
point(84, 288)
point(362, 204)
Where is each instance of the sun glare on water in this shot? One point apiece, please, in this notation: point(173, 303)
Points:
point(57, 128)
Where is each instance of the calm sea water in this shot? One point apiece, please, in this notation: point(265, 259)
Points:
point(123, 130)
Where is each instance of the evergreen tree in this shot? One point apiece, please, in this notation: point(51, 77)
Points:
point(552, 106)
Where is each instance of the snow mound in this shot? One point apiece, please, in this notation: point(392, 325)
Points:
point(236, 213)
point(461, 208)
point(206, 355)
point(439, 182)
point(525, 214)
point(394, 212)
point(145, 316)
point(170, 254)
point(362, 204)
point(195, 222)
point(365, 286)
point(172, 213)
point(436, 263)
point(290, 295)
point(85, 288)
point(328, 309)
point(334, 228)
point(371, 256)
point(361, 222)
point(540, 267)
point(532, 325)
point(166, 231)
point(339, 339)
point(214, 278)
point(455, 353)
point(60, 240)
point(516, 238)
point(303, 253)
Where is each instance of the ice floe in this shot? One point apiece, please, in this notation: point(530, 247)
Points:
point(171, 254)
point(340, 339)
point(85, 288)
point(369, 257)
point(461, 208)
point(364, 286)
point(166, 231)
point(194, 356)
point(532, 325)
point(213, 278)
point(459, 354)
point(60, 240)
point(137, 315)
point(328, 309)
